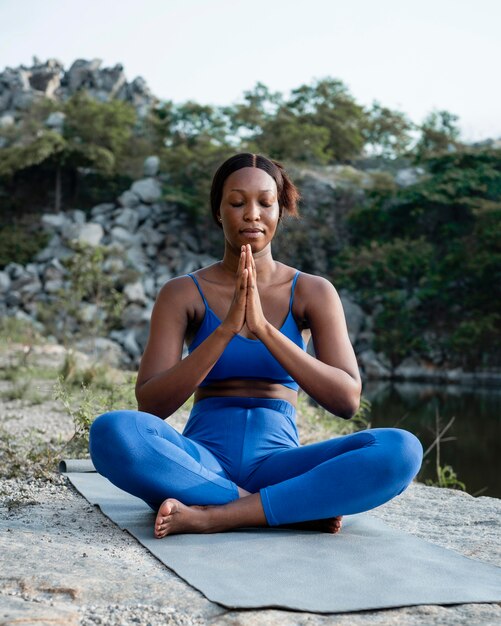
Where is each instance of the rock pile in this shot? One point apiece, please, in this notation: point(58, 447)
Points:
point(21, 86)
point(146, 244)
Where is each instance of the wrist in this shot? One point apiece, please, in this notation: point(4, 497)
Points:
point(263, 331)
point(224, 332)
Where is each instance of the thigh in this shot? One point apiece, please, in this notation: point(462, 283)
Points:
point(285, 464)
point(147, 457)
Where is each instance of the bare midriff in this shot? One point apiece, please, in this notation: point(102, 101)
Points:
point(247, 389)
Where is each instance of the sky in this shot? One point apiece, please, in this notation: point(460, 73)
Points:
point(412, 56)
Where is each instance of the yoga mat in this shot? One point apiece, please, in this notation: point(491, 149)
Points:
point(368, 565)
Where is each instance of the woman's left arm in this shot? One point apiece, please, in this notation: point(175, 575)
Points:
point(332, 377)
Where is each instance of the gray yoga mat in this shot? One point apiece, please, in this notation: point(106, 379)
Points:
point(368, 565)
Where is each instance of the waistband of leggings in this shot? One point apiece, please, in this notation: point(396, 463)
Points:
point(219, 402)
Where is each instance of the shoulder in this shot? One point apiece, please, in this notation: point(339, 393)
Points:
point(317, 297)
point(312, 286)
point(175, 289)
point(179, 294)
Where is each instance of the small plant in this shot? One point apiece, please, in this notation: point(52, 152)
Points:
point(446, 476)
point(86, 284)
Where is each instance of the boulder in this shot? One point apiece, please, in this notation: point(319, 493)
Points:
point(127, 218)
point(128, 199)
point(5, 282)
point(151, 165)
point(134, 292)
point(354, 315)
point(103, 351)
point(148, 189)
point(372, 366)
point(54, 221)
point(56, 121)
point(122, 236)
point(90, 233)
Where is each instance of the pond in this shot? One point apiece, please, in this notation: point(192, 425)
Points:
point(472, 444)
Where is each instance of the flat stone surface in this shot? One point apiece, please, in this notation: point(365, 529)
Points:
point(64, 562)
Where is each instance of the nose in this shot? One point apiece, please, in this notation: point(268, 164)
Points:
point(252, 211)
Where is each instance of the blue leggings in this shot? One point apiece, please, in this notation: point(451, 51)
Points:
point(253, 443)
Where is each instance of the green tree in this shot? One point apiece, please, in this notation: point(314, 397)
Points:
point(95, 135)
point(387, 133)
point(327, 103)
point(439, 133)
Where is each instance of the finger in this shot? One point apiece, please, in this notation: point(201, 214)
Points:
point(244, 282)
point(249, 257)
point(242, 261)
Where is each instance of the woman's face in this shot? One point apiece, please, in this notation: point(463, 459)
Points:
point(249, 208)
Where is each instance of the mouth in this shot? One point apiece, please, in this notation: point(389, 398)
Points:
point(251, 230)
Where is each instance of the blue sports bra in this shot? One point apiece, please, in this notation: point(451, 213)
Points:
point(247, 358)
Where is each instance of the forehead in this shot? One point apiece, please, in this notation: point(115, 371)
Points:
point(250, 179)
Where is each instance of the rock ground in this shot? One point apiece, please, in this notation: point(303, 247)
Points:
point(64, 562)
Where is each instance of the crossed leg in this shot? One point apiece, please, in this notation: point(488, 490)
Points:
point(341, 476)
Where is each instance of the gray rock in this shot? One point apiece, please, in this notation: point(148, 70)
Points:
point(190, 242)
point(128, 219)
point(103, 351)
point(89, 311)
point(372, 366)
point(149, 286)
point(104, 208)
point(150, 236)
point(14, 270)
point(151, 165)
point(137, 259)
point(53, 286)
point(77, 216)
point(113, 265)
point(148, 189)
point(354, 315)
point(130, 344)
point(56, 121)
point(143, 211)
point(81, 74)
point(54, 221)
point(134, 292)
point(122, 236)
point(128, 199)
point(90, 233)
point(162, 278)
point(188, 263)
point(408, 176)
point(7, 120)
point(13, 299)
point(4, 282)
point(132, 315)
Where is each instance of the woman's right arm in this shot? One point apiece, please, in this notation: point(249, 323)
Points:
point(165, 380)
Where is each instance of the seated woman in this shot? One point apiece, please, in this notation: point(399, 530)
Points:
point(247, 320)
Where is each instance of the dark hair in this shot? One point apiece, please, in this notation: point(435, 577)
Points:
point(288, 194)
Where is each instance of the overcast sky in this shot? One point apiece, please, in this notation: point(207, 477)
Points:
point(414, 56)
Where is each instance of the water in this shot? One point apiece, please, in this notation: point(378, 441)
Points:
point(475, 451)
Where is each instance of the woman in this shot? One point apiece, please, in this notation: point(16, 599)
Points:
point(247, 320)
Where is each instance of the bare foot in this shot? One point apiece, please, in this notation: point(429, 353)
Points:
point(174, 517)
point(328, 525)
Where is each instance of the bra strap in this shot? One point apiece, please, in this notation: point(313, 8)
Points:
point(199, 289)
point(292, 290)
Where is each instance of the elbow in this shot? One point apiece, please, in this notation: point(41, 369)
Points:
point(351, 402)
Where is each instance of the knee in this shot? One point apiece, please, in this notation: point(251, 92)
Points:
point(107, 432)
point(403, 454)
point(109, 424)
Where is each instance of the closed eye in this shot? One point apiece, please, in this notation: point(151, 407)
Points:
point(265, 205)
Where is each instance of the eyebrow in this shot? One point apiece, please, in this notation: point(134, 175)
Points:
point(245, 190)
